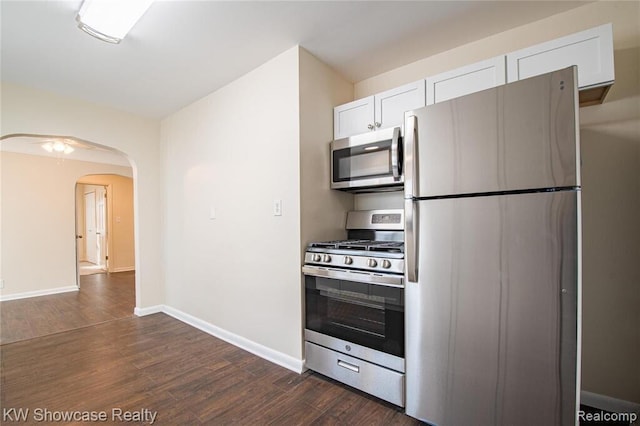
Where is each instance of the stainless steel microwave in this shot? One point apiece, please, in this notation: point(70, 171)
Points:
point(368, 162)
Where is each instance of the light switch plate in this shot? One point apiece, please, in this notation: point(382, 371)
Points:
point(212, 213)
point(277, 207)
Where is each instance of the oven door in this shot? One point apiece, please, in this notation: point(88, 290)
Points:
point(367, 314)
point(368, 160)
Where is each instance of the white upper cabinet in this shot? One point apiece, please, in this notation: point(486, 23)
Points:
point(352, 118)
point(380, 111)
point(391, 105)
point(590, 50)
point(468, 79)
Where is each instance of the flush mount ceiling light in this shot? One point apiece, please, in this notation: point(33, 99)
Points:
point(110, 20)
point(59, 147)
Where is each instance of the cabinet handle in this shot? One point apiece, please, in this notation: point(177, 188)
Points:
point(378, 124)
point(348, 366)
point(370, 126)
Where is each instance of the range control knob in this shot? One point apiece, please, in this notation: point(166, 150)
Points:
point(326, 258)
point(348, 260)
point(386, 264)
point(372, 263)
point(316, 258)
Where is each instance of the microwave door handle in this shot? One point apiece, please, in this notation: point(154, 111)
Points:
point(395, 154)
point(411, 158)
point(411, 234)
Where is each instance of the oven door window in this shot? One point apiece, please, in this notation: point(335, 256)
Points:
point(365, 161)
point(366, 314)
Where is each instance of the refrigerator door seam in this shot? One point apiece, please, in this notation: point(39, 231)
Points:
point(498, 193)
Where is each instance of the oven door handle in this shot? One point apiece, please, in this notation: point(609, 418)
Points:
point(358, 276)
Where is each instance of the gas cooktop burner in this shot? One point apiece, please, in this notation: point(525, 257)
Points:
point(365, 255)
point(375, 246)
point(363, 245)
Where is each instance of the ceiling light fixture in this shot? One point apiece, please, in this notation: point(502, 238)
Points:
point(58, 147)
point(110, 20)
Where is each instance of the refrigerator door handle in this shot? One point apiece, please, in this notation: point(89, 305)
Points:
point(411, 235)
point(410, 157)
point(396, 166)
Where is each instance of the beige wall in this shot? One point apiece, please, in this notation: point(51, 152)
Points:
point(237, 150)
point(37, 242)
point(611, 270)
point(322, 211)
point(27, 110)
point(119, 219)
point(611, 185)
point(262, 138)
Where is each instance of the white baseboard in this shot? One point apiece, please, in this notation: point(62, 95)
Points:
point(37, 293)
point(141, 312)
point(124, 269)
point(607, 403)
point(283, 360)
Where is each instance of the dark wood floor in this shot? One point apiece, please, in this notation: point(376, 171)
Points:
point(160, 364)
point(102, 297)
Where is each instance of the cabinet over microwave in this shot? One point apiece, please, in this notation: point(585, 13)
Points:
point(368, 162)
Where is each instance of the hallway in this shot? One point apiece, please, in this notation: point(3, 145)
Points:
point(102, 297)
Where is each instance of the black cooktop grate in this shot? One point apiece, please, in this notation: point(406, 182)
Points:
point(362, 245)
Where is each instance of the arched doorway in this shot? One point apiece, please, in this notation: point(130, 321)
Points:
point(38, 223)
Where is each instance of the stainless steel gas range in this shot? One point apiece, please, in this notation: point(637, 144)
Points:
point(354, 302)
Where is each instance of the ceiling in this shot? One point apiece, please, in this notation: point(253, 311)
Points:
point(83, 151)
point(183, 50)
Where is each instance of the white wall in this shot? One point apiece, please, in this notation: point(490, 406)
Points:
point(237, 150)
point(37, 243)
point(26, 110)
point(611, 185)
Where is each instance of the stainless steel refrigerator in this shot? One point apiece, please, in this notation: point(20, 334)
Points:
point(492, 242)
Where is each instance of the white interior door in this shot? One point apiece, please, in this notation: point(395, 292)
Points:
point(91, 240)
point(101, 228)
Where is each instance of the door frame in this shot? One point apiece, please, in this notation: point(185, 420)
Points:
point(80, 225)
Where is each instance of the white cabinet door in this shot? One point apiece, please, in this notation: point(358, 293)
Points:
point(353, 118)
point(590, 50)
point(380, 111)
point(469, 79)
point(391, 105)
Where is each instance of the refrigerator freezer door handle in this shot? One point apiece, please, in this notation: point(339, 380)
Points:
point(410, 158)
point(411, 235)
point(395, 155)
